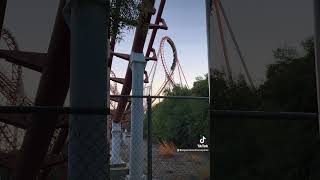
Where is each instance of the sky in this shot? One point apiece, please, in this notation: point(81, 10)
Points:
point(260, 26)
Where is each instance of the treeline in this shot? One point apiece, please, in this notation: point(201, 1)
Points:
point(252, 149)
point(290, 86)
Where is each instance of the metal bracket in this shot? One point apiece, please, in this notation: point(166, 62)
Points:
point(162, 25)
point(154, 56)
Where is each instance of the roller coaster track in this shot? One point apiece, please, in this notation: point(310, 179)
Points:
point(169, 72)
point(138, 46)
point(11, 88)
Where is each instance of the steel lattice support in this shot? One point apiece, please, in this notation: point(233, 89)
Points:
point(52, 91)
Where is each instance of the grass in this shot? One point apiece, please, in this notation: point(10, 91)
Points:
point(167, 149)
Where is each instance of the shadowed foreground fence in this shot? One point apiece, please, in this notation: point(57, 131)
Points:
point(248, 145)
point(165, 131)
point(173, 127)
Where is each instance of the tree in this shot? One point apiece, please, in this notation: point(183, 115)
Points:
point(185, 121)
point(291, 81)
point(236, 95)
point(181, 121)
point(123, 16)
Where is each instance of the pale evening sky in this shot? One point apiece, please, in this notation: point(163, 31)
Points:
point(259, 25)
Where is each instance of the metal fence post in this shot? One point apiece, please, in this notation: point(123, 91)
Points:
point(316, 5)
point(210, 42)
point(87, 157)
point(149, 119)
point(138, 63)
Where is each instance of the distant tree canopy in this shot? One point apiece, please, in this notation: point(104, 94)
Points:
point(185, 121)
point(289, 86)
point(291, 81)
point(123, 16)
point(181, 121)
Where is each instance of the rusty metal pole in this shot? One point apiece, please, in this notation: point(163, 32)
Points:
point(56, 149)
point(52, 91)
point(154, 31)
point(87, 148)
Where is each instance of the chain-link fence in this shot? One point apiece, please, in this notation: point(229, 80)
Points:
point(89, 142)
point(180, 138)
point(265, 145)
point(154, 140)
point(174, 143)
point(175, 138)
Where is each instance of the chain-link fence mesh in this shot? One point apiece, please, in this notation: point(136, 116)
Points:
point(158, 139)
point(180, 134)
point(177, 146)
point(175, 143)
point(265, 148)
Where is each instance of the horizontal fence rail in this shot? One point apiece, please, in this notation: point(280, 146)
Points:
point(54, 109)
point(162, 97)
point(265, 115)
point(216, 113)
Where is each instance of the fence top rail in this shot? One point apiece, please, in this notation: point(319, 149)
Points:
point(264, 115)
point(161, 97)
point(54, 109)
point(232, 114)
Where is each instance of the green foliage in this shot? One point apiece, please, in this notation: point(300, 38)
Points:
point(251, 148)
point(185, 121)
point(291, 83)
point(273, 148)
point(180, 121)
point(123, 16)
point(200, 87)
point(235, 95)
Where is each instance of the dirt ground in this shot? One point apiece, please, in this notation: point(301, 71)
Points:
point(183, 165)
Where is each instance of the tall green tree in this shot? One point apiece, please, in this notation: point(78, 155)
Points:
point(185, 121)
point(181, 121)
point(291, 81)
point(123, 16)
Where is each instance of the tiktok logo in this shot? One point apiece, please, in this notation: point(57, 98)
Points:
point(202, 139)
point(202, 144)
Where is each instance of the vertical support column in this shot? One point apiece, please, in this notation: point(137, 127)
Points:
point(52, 91)
point(149, 111)
point(137, 115)
point(317, 49)
point(116, 143)
point(138, 45)
point(108, 106)
point(108, 50)
point(87, 155)
point(210, 40)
